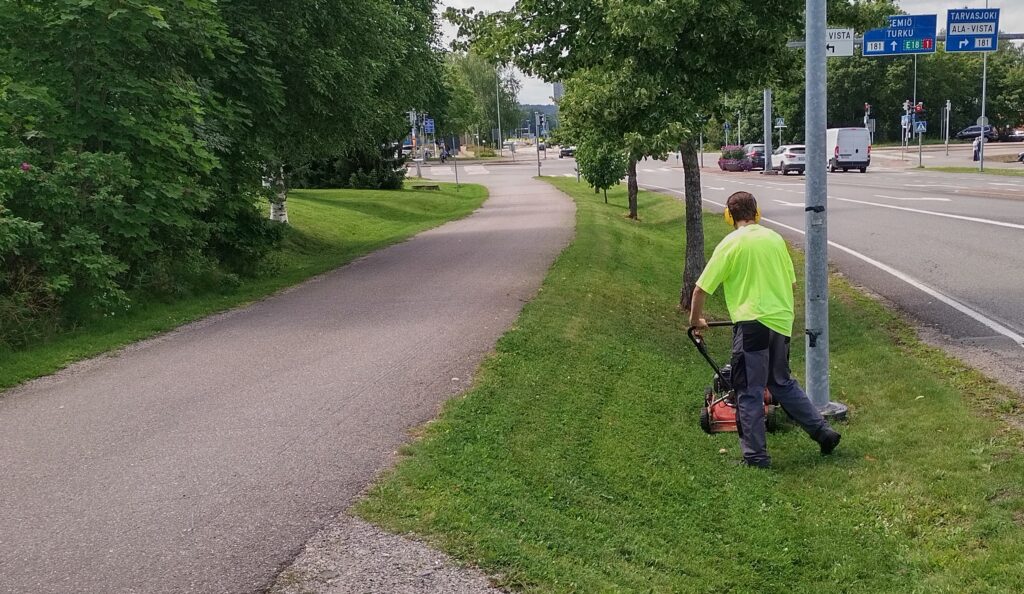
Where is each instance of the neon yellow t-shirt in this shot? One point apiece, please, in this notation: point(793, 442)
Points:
point(754, 265)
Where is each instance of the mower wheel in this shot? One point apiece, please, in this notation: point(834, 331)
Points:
point(705, 420)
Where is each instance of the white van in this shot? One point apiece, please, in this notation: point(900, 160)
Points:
point(848, 148)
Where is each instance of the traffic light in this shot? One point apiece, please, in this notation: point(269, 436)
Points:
point(919, 108)
point(906, 106)
point(867, 109)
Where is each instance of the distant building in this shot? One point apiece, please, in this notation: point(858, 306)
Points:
point(559, 91)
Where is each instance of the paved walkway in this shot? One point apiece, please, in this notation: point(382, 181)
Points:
point(202, 461)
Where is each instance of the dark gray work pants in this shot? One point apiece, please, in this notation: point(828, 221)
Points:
point(760, 359)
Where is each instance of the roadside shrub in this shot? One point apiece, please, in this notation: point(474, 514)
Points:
point(485, 152)
point(367, 169)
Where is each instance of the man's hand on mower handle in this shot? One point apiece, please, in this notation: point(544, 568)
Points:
point(699, 325)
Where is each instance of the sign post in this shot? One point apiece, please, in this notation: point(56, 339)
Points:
point(975, 30)
point(816, 214)
point(920, 127)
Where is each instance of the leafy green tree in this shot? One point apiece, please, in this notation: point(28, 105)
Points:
point(601, 163)
point(677, 56)
point(114, 136)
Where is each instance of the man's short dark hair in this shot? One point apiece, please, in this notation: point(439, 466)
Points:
point(743, 206)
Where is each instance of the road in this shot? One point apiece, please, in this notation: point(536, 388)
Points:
point(945, 248)
point(203, 460)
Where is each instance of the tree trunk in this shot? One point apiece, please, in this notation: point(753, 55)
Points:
point(606, 195)
point(632, 188)
point(278, 204)
point(694, 224)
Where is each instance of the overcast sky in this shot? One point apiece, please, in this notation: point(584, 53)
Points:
point(1011, 19)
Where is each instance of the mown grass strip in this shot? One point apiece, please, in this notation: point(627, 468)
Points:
point(990, 171)
point(328, 229)
point(576, 463)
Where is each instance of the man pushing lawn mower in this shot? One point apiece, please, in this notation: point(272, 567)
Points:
point(754, 266)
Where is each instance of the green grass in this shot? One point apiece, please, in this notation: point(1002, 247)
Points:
point(328, 229)
point(576, 463)
point(991, 171)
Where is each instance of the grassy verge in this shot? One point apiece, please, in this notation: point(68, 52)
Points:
point(576, 463)
point(991, 171)
point(328, 228)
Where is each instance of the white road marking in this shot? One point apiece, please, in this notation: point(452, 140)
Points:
point(568, 175)
point(664, 169)
point(1003, 184)
point(922, 199)
point(714, 188)
point(476, 170)
point(648, 170)
point(784, 203)
point(934, 186)
point(960, 307)
point(937, 214)
point(783, 184)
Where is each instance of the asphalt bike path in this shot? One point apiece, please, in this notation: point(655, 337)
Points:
point(203, 460)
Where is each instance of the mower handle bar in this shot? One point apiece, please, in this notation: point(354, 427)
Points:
point(702, 348)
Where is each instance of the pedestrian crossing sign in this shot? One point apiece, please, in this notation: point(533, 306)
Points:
point(920, 127)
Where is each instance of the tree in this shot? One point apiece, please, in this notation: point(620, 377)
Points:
point(679, 56)
point(343, 69)
point(601, 162)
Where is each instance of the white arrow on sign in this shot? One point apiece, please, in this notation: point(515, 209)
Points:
point(894, 44)
point(964, 43)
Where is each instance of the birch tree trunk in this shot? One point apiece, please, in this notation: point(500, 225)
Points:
point(694, 224)
point(632, 188)
point(278, 204)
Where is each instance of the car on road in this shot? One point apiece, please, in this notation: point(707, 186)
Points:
point(972, 132)
point(1015, 135)
point(790, 157)
point(566, 151)
point(848, 148)
point(755, 152)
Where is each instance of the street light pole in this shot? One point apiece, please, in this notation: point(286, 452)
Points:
point(497, 101)
point(767, 130)
point(816, 214)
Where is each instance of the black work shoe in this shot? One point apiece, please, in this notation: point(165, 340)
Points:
point(828, 441)
point(761, 465)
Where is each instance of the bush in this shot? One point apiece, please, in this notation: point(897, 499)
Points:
point(733, 152)
point(368, 169)
point(485, 152)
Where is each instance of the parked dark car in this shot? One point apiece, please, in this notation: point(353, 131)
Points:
point(566, 151)
point(755, 152)
point(972, 132)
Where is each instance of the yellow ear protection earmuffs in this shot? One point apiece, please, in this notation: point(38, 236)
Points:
point(729, 220)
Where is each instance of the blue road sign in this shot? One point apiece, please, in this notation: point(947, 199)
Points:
point(920, 127)
point(428, 126)
point(906, 34)
point(972, 30)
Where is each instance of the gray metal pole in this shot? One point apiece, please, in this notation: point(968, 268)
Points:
point(984, 89)
point(949, 114)
point(767, 130)
point(497, 100)
point(816, 218)
point(739, 129)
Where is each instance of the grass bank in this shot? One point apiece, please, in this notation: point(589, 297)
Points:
point(576, 463)
point(990, 171)
point(328, 229)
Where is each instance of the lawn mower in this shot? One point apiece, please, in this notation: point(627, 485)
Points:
point(718, 415)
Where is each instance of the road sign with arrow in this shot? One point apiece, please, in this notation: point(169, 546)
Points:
point(839, 42)
point(906, 34)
